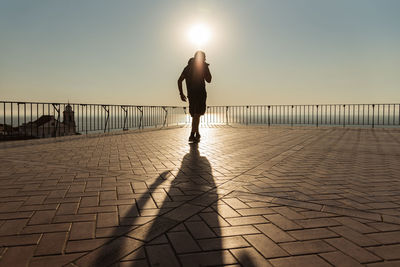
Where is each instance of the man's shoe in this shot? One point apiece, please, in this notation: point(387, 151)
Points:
point(197, 138)
point(192, 138)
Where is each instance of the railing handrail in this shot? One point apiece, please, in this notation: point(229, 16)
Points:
point(83, 104)
point(174, 106)
point(289, 105)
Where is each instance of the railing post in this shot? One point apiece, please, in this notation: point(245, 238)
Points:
point(227, 109)
point(269, 121)
point(373, 115)
point(141, 117)
point(317, 116)
point(291, 119)
point(126, 118)
point(58, 118)
point(247, 115)
point(344, 116)
point(166, 116)
point(106, 110)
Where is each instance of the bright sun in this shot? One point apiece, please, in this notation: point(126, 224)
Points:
point(199, 34)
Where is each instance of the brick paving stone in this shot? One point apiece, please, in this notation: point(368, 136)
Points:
point(246, 220)
point(84, 245)
point(213, 219)
point(310, 214)
point(35, 200)
point(74, 218)
point(236, 230)
point(283, 222)
point(136, 255)
point(265, 246)
point(354, 236)
point(46, 228)
point(82, 230)
point(389, 252)
point(381, 226)
point(38, 207)
point(314, 233)
point(67, 208)
point(199, 230)
point(109, 253)
point(226, 211)
point(17, 256)
point(386, 238)
point(20, 240)
point(179, 228)
point(385, 264)
point(307, 247)
point(183, 242)
point(102, 209)
point(358, 253)
point(136, 263)
point(223, 257)
point(107, 219)
point(288, 213)
point(273, 232)
point(306, 260)
point(235, 203)
point(249, 257)
point(162, 239)
point(42, 217)
point(161, 255)
point(15, 215)
point(337, 258)
point(318, 222)
point(12, 227)
point(223, 243)
point(89, 202)
point(51, 243)
point(255, 211)
point(51, 261)
point(355, 225)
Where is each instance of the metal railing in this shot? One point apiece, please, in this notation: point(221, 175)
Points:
point(362, 115)
point(19, 120)
point(24, 120)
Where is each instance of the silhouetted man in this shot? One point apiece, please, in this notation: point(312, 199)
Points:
point(195, 74)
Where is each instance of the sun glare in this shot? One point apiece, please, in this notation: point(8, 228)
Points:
point(199, 34)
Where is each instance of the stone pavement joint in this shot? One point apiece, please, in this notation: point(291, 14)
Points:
point(250, 196)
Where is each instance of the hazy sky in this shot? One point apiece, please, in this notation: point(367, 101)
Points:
point(260, 52)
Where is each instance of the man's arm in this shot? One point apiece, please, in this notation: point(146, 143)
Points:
point(207, 74)
point(180, 80)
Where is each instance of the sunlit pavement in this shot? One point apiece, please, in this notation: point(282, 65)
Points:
point(250, 196)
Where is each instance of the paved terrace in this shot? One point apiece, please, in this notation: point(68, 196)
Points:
point(253, 196)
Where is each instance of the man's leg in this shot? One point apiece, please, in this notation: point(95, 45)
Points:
point(195, 123)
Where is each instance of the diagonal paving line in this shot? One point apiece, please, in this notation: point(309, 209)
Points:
point(318, 207)
point(148, 231)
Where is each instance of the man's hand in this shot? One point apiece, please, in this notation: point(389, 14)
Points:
point(183, 97)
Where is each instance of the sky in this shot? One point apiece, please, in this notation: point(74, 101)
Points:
point(259, 51)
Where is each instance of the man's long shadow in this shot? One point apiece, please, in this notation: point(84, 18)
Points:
point(193, 179)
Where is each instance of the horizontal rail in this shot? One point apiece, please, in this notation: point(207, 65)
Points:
point(20, 120)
